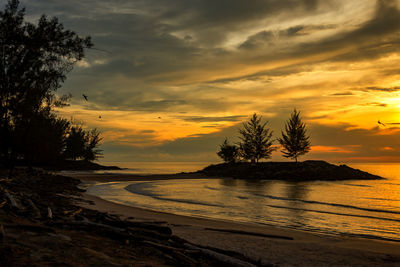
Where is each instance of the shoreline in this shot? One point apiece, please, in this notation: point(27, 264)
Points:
point(269, 244)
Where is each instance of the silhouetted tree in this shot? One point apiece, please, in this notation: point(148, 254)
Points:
point(93, 140)
point(75, 143)
point(256, 140)
point(42, 140)
point(34, 61)
point(229, 153)
point(295, 141)
point(81, 144)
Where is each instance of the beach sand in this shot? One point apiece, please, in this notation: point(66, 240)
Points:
point(269, 244)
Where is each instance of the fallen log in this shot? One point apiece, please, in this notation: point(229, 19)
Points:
point(35, 209)
point(164, 230)
point(49, 213)
point(115, 233)
point(3, 203)
point(240, 232)
point(221, 257)
point(12, 200)
point(32, 228)
point(2, 232)
point(174, 253)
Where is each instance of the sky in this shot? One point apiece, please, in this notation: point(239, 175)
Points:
point(171, 79)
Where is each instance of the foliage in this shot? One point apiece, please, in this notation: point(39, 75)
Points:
point(256, 140)
point(229, 153)
point(34, 62)
point(75, 143)
point(42, 139)
point(81, 144)
point(92, 141)
point(295, 141)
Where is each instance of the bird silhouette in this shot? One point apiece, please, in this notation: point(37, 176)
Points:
point(85, 97)
point(388, 123)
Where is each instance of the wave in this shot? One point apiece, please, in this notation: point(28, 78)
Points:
point(335, 213)
point(142, 189)
point(329, 204)
point(384, 199)
point(358, 185)
point(212, 188)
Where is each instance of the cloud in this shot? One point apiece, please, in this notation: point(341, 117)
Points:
point(270, 38)
point(343, 94)
point(375, 104)
point(383, 89)
point(212, 119)
point(206, 59)
point(345, 144)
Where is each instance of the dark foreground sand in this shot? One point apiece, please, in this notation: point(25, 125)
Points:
point(270, 245)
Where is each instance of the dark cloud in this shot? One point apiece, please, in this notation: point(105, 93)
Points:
point(381, 30)
point(375, 104)
point(375, 38)
point(263, 38)
point(212, 20)
point(266, 76)
point(269, 38)
point(153, 44)
point(201, 143)
point(342, 94)
point(383, 89)
point(211, 119)
point(351, 144)
point(148, 131)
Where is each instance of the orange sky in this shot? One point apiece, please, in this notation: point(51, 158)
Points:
point(176, 79)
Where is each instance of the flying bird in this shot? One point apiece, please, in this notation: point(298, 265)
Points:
point(85, 97)
point(379, 122)
point(388, 123)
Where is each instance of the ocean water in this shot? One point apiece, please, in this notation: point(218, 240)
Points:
point(369, 209)
point(132, 167)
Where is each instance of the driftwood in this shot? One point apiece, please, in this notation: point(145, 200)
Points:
point(35, 209)
point(249, 233)
point(2, 232)
point(49, 213)
point(54, 193)
point(231, 261)
point(72, 213)
point(3, 203)
point(32, 228)
point(12, 200)
point(174, 253)
point(137, 226)
point(116, 233)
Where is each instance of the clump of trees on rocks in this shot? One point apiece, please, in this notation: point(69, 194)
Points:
point(256, 141)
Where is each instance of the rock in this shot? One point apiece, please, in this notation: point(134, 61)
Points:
point(291, 171)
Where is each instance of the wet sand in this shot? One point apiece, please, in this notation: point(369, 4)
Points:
point(269, 244)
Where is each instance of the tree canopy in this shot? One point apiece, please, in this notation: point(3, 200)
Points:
point(294, 140)
point(34, 62)
point(255, 140)
point(229, 153)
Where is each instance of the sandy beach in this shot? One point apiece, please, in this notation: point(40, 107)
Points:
point(266, 244)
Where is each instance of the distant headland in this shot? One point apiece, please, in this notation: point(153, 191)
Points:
point(309, 170)
point(75, 165)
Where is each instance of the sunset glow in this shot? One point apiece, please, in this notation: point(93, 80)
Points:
point(170, 80)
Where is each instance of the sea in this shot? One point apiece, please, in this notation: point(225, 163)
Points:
point(361, 208)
